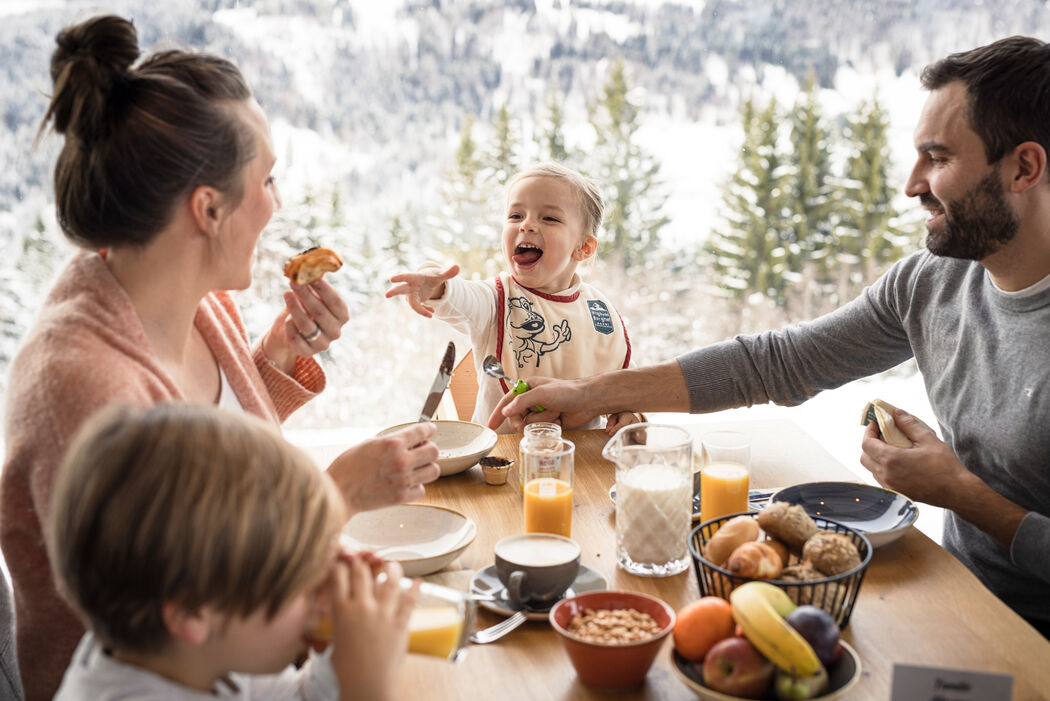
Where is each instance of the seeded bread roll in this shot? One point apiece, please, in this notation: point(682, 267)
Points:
point(802, 572)
point(788, 523)
point(828, 595)
point(831, 553)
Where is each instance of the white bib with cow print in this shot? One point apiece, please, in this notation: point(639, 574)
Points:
point(577, 334)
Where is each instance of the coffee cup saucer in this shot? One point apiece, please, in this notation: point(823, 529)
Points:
point(486, 583)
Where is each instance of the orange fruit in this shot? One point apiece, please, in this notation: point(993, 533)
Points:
point(701, 624)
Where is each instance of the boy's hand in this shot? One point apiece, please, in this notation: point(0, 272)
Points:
point(370, 624)
point(421, 287)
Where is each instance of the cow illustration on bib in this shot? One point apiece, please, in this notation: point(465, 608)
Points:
point(526, 327)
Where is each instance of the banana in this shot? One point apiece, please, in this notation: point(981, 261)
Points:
point(759, 608)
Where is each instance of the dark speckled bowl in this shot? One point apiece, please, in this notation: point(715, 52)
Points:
point(881, 514)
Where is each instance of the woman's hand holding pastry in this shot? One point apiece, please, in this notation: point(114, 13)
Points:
point(313, 317)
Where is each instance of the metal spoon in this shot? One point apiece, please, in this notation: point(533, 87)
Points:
point(491, 367)
point(487, 635)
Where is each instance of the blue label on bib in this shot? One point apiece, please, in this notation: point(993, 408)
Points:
point(600, 316)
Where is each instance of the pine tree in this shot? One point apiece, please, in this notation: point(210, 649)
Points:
point(749, 254)
point(810, 240)
point(628, 174)
point(468, 222)
point(869, 237)
point(553, 145)
point(397, 245)
point(500, 163)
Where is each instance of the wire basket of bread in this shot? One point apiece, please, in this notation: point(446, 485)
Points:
point(815, 560)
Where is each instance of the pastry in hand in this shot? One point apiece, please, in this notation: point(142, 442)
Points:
point(788, 523)
point(831, 553)
point(310, 265)
point(756, 560)
point(882, 413)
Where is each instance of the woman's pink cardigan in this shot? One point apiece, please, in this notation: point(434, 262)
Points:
point(88, 349)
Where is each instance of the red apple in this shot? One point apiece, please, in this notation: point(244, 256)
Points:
point(733, 666)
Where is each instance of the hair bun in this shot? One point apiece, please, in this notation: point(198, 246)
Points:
point(91, 59)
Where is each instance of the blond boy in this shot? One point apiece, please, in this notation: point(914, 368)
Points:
point(200, 550)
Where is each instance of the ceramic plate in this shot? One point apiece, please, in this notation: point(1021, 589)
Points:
point(487, 582)
point(756, 498)
point(881, 514)
point(842, 675)
point(460, 444)
point(422, 537)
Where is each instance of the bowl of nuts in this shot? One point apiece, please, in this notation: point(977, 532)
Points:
point(612, 637)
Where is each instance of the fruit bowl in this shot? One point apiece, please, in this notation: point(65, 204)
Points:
point(842, 675)
point(836, 594)
point(606, 665)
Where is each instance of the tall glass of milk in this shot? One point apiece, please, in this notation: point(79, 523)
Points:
point(654, 498)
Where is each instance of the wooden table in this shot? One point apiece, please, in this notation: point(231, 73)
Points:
point(917, 605)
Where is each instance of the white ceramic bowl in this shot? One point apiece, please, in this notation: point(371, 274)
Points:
point(881, 514)
point(460, 444)
point(422, 537)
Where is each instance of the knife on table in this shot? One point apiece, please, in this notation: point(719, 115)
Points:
point(444, 374)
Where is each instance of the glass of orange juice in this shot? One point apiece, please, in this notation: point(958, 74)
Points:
point(547, 466)
point(440, 622)
point(438, 625)
point(542, 430)
point(725, 474)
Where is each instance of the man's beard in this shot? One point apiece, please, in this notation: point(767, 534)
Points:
point(975, 225)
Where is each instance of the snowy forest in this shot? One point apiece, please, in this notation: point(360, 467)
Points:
point(752, 154)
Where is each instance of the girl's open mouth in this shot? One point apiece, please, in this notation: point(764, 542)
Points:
point(526, 254)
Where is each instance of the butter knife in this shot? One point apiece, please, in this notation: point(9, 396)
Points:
point(437, 389)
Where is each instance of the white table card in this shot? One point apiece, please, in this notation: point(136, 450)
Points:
point(916, 683)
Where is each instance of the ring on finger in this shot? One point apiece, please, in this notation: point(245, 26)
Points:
point(312, 336)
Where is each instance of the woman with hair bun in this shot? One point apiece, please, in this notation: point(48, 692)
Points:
point(165, 182)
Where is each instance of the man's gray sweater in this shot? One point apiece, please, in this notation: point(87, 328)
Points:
point(985, 359)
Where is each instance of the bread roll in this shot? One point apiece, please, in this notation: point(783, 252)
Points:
point(756, 560)
point(788, 523)
point(781, 549)
point(882, 413)
point(831, 553)
point(731, 534)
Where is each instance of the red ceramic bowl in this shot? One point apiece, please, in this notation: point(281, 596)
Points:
point(603, 665)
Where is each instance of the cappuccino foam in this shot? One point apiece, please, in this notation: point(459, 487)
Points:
point(537, 551)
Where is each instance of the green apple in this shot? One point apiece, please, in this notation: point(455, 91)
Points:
point(791, 688)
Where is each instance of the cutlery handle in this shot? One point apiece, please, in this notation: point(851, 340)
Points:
point(522, 387)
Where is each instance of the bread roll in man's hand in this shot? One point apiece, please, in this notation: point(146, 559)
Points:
point(882, 413)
